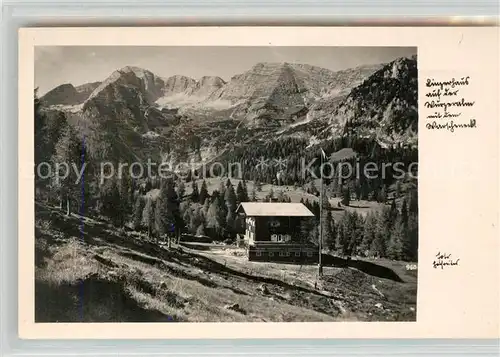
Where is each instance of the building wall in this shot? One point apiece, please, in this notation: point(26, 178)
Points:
point(250, 229)
point(261, 229)
point(272, 228)
point(277, 239)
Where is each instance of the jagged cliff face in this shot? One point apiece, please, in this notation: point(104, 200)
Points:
point(182, 91)
point(276, 94)
point(177, 85)
point(85, 90)
point(269, 93)
point(147, 83)
point(67, 94)
point(338, 88)
point(116, 118)
point(205, 86)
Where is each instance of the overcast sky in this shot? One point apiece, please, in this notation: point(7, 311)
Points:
point(83, 64)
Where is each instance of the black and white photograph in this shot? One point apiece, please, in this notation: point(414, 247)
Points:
point(225, 184)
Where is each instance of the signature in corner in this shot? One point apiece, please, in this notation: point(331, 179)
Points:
point(444, 259)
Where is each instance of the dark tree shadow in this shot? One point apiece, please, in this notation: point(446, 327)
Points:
point(364, 266)
point(196, 246)
point(210, 265)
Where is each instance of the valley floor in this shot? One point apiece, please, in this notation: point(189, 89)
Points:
point(91, 272)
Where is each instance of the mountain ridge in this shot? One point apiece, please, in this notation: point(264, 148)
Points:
point(145, 110)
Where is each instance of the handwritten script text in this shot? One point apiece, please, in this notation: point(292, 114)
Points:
point(448, 104)
point(444, 259)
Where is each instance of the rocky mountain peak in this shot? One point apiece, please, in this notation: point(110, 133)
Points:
point(144, 81)
point(178, 84)
point(383, 106)
point(205, 86)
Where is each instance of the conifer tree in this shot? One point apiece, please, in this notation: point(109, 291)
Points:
point(397, 193)
point(341, 243)
point(334, 187)
point(240, 194)
point(181, 189)
point(281, 197)
point(132, 192)
point(383, 234)
point(195, 195)
point(382, 195)
point(358, 189)
point(246, 197)
point(68, 151)
point(40, 134)
point(395, 248)
point(411, 242)
point(167, 213)
point(328, 230)
point(196, 219)
point(148, 185)
point(206, 206)
point(357, 223)
point(187, 216)
point(253, 197)
point(404, 213)
point(213, 217)
point(394, 214)
point(149, 216)
point(306, 225)
point(200, 231)
point(413, 225)
point(230, 199)
point(138, 212)
point(111, 202)
point(369, 233)
point(222, 189)
point(346, 196)
point(124, 188)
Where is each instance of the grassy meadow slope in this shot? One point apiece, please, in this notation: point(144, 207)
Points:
point(87, 270)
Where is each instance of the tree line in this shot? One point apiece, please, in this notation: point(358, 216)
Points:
point(391, 232)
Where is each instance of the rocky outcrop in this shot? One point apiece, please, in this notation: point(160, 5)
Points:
point(85, 90)
point(205, 86)
point(178, 84)
point(284, 93)
point(65, 94)
point(384, 106)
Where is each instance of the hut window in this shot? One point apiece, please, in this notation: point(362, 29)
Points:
point(297, 254)
point(287, 254)
point(282, 254)
point(309, 254)
point(271, 254)
point(258, 253)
